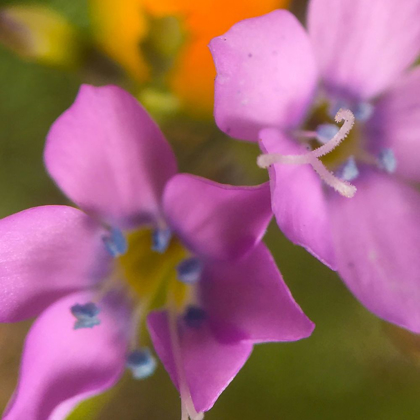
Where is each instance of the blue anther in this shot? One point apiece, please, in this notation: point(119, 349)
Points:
point(161, 239)
point(142, 363)
point(194, 316)
point(86, 315)
point(325, 132)
point(189, 270)
point(387, 160)
point(115, 243)
point(362, 111)
point(349, 171)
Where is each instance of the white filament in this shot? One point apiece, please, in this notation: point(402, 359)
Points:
point(188, 410)
point(343, 187)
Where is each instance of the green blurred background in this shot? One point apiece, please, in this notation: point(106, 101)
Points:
point(353, 367)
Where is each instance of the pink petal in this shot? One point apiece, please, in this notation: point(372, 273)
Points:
point(266, 75)
point(109, 157)
point(208, 364)
point(396, 124)
point(298, 200)
point(216, 220)
point(60, 363)
point(363, 46)
point(248, 299)
point(46, 253)
point(377, 237)
point(63, 410)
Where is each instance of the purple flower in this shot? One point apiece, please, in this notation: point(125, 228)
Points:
point(147, 238)
point(283, 86)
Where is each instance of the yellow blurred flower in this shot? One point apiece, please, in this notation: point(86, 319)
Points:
point(37, 33)
point(168, 39)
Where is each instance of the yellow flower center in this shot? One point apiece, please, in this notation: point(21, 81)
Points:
point(152, 275)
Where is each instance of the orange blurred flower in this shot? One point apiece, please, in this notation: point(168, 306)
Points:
point(182, 29)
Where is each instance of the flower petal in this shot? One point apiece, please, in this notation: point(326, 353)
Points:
point(362, 47)
point(192, 78)
point(298, 199)
point(209, 365)
point(248, 299)
point(63, 410)
point(215, 220)
point(266, 75)
point(109, 157)
point(395, 124)
point(377, 237)
point(46, 253)
point(59, 363)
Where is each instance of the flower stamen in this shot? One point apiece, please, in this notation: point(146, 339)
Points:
point(387, 160)
point(325, 132)
point(312, 157)
point(86, 315)
point(115, 243)
point(142, 363)
point(161, 239)
point(194, 316)
point(137, 318)
point(349, 171)
point(189, 270)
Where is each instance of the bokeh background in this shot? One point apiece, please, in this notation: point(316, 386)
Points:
point(353, 367)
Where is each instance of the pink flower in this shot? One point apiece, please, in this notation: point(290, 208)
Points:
point(92, 277)
point(281, 85)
